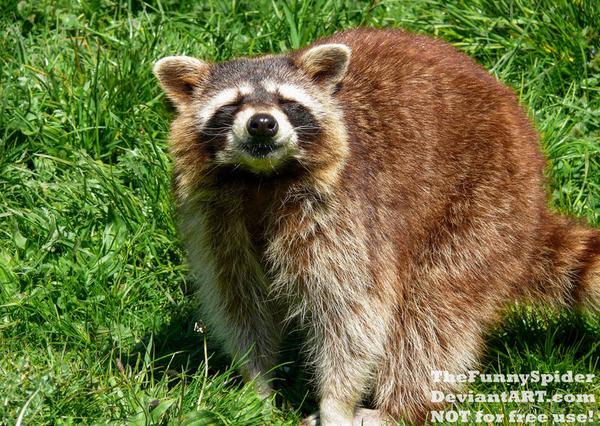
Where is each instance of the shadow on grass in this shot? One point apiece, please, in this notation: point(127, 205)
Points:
point(536, 338)
point(178, 347)
point(527, 339)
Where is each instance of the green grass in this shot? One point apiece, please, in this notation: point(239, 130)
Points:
point(95, 322)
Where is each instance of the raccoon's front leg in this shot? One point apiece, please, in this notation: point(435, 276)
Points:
point(344, 304)
point(237, 308)
point(242, 318)
point(348, 338)
point(362, 417)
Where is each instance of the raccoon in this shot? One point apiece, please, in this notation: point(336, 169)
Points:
point(383, 190)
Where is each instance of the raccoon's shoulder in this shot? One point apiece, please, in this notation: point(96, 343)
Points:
point(390, 56)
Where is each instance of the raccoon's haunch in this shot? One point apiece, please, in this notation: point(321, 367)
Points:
point(402, 209)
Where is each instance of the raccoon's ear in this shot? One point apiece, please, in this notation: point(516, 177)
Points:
point(326, 63)
point(179, 76)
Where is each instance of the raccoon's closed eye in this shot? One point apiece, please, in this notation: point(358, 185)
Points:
point(233, 106)
point(284, 101)
point(302, 120)
point(220, 123)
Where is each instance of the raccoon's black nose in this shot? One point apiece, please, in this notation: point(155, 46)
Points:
point(262, 125)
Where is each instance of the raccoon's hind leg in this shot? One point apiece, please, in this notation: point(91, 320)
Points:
point(425, 340)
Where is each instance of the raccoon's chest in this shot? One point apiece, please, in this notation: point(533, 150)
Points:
point(257, 213)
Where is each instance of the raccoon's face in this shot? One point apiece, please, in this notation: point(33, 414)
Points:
point(258, 114)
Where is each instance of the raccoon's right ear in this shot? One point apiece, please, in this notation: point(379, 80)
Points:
point(326, 63)
point(179, 76)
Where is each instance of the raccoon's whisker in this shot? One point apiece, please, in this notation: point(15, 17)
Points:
point(211, 138)
point(213, 134)
point(219, 130)
point(302, 129)
point(306, 127)
point(215, 130)
point(212, 168)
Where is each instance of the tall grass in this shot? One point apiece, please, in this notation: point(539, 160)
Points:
point(95, 324)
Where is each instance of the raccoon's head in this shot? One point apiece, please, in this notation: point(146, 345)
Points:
point(258, 114)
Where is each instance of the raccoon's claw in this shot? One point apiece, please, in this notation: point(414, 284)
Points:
point(312, 420)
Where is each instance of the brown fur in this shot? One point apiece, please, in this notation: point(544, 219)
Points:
point(416, 218)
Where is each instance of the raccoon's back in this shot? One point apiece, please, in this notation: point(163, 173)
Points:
point(406, 93)
point(436, 140)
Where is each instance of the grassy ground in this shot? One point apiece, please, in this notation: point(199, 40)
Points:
point(95, 325)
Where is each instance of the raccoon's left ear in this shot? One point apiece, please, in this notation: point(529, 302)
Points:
point(179, 76)
point(326, 63)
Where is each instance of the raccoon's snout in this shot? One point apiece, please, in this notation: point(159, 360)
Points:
point(262, 128)
point(262, 125)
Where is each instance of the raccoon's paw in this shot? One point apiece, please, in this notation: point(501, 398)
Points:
point(362, 417)
point(312, 420)
point(366, 417)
